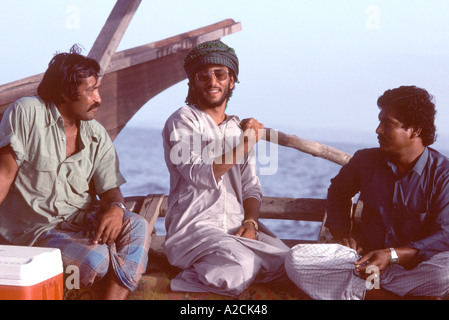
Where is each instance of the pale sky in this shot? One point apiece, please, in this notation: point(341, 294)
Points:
point(313, 68)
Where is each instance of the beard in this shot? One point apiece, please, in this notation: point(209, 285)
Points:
point(206, 101)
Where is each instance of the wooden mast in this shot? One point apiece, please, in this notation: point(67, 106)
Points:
point(103, 51)
point(112, 33)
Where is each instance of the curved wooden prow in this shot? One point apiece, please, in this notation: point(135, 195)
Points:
point(103, 51)
point(132, 76)
point(137, 75)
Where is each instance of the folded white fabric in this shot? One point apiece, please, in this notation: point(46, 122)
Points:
point(325, 271)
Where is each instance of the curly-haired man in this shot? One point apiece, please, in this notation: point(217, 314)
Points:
point(54, 160)
point(404, 231)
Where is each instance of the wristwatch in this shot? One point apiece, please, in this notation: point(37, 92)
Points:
point(121, 206)
point(394, 258)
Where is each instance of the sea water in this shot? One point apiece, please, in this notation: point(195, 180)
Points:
point(286, 173)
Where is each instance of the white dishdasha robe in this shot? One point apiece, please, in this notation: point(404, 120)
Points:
point(204, 214)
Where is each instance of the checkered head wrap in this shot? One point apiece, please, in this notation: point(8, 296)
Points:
point(211, 52)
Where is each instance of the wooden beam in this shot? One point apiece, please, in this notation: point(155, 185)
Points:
point(103, 50)
point(304, 209)
point(113, 30)
point(313, 148)
point(182, 42)
point(146, 71)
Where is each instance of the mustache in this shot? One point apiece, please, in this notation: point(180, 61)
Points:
point(95, 105)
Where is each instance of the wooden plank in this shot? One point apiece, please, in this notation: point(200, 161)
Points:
point(12, 91)
point(272, 208)
point(282, 208)
point(150, 209)
point(112, 32)
point(134, 203)
point(302, 209)
point(182, 42)
point(125, 91)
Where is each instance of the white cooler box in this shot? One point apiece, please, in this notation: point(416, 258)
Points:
point(30, 273)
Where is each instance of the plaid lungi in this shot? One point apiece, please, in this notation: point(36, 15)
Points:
point(128, 255)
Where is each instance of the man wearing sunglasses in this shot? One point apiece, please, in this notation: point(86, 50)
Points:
point(212, 222)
